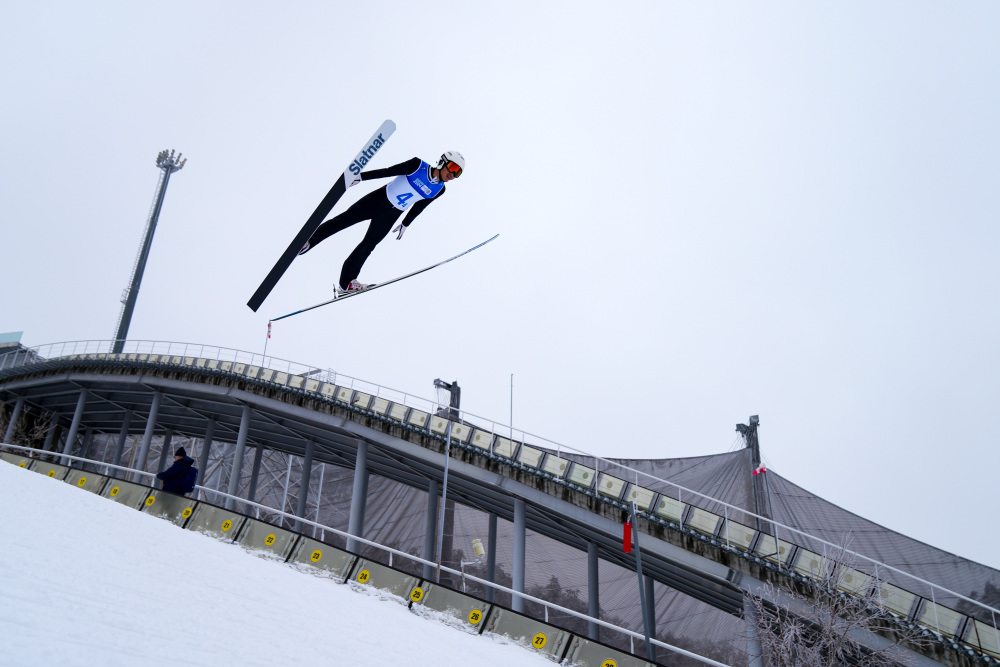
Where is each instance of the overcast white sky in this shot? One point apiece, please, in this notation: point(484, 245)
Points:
point(706, 211)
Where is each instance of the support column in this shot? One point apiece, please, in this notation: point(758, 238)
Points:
point(241, 447)
point(209, 434)
point(14, 416)
point(116, 460)
point(359, 498)
point(517, 603)
point(430, 526)
point(303, 505)
point(147, 437)
point(491, 558)
point(258, 455)
point(74, 426)
point(593, 591)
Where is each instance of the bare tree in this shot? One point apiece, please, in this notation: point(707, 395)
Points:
point(835, 625)
point(35, 432)
point(24, 433)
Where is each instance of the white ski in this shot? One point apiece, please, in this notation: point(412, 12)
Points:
point(348, 295)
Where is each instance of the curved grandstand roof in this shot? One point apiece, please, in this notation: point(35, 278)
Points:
point(727, 477)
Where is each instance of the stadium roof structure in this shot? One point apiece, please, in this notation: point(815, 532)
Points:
point(703, 544)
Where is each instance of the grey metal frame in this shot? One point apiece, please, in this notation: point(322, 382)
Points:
point(283, 427)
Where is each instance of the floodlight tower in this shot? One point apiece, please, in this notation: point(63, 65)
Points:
point(168, 163)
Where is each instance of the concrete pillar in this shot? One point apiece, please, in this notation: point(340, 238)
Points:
point(74, 426)
point(303, 505)
point(520, 538)
point(430, 526)
point(593, 591)
point(359, 499)
point(241, 447)
point(147, 438)
point(122, 436)
point(14, 416)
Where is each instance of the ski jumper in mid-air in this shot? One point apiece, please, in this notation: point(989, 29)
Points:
point(415, 186)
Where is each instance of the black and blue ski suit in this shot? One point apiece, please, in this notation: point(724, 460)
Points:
point(383, 207)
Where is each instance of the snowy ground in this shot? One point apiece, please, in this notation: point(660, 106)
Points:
point(86, 581)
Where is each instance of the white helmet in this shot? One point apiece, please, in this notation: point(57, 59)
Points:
point(452, 156)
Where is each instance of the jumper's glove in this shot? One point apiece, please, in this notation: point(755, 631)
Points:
point(353, 180)
point(399, 228)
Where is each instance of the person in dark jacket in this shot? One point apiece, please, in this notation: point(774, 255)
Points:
point(174, 477)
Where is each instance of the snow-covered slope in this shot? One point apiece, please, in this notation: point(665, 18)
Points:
point(86, 581)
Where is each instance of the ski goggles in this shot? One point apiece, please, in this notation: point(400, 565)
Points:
point(453, 168)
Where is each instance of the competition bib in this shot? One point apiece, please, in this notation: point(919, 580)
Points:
point(403, 190)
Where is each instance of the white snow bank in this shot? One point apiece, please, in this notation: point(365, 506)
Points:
point(86, 581)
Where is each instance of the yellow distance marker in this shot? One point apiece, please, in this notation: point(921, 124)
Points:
point(150, 501)
point(83, 480)
point(475, 616)
point(114, 491)
point(187, 512)
point(52, 473)
point(316, 555)
point(22, 464)
point(364, 576)
point(270, 539)
point(417, 594)
point(226, 525)
point(609, 663)
point(538, 641)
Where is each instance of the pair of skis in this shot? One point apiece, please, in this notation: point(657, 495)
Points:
point(361, 160)
point(347, 295)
